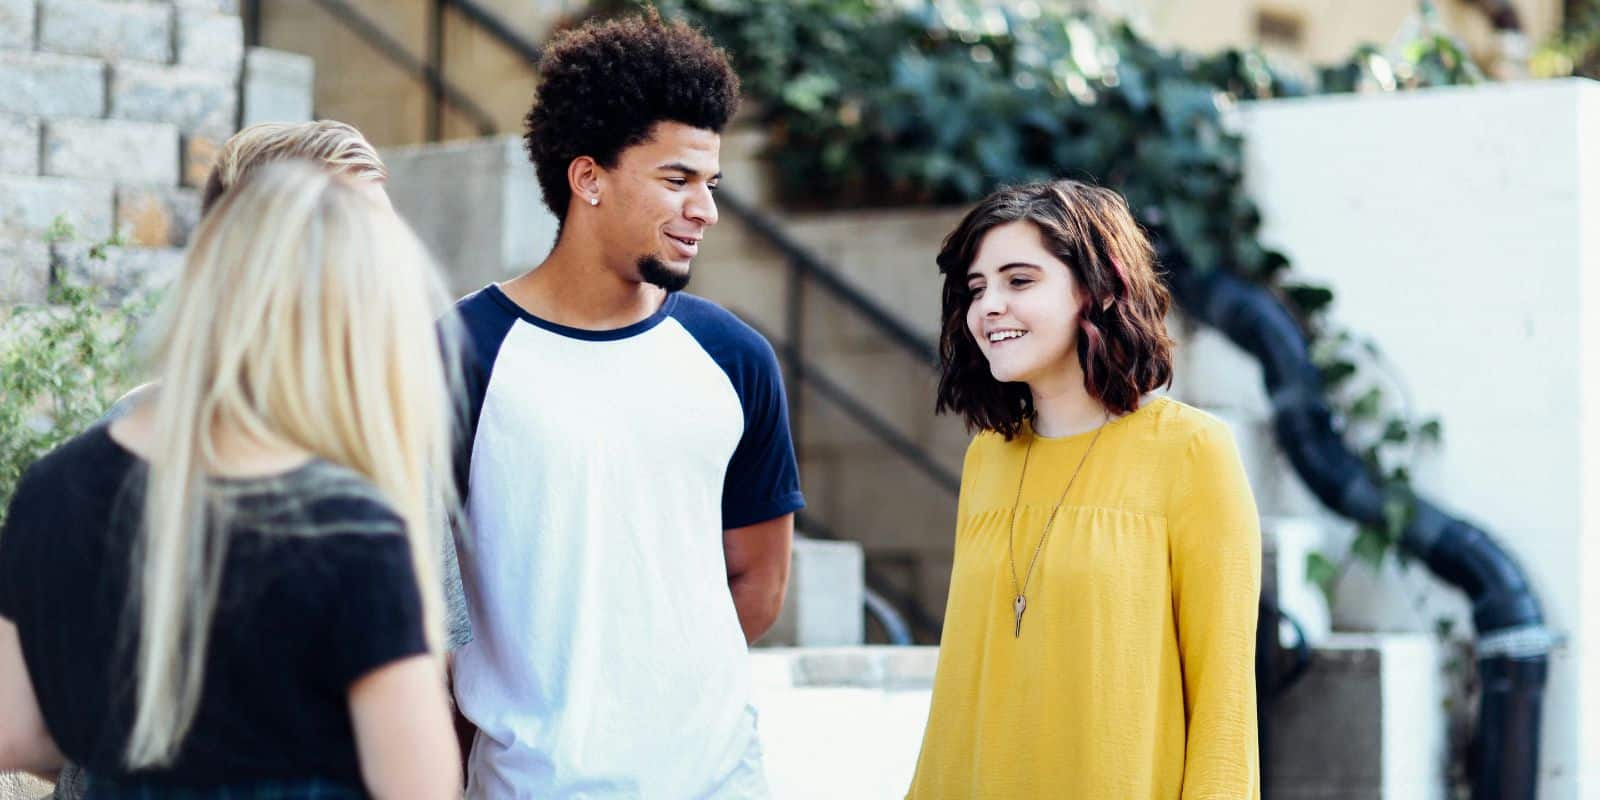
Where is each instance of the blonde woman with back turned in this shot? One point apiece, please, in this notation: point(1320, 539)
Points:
point(263, 615)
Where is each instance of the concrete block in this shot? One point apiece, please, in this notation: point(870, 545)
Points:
point(28, 205)
point(1366, 721)
point(17, 24)
point(50, 85)
point(19, 145)
point(157, 216)
point(125, 272)
point(212, 6)
point(103, 29)
point(196, 100)
point(277, 87)
point(210, 40)
point(117, 150)
point(477, 206)
point(823, 607)
point(200, 153)
point(24, 271)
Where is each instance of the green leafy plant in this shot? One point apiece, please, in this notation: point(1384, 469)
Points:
point(911, 102)
point(63, 362)
point(1575, 49)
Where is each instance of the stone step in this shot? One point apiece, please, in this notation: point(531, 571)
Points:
point(842, 722)
point(1366, 721)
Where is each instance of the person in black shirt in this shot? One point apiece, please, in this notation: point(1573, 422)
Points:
point(233, 590)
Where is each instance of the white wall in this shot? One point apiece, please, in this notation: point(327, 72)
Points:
point(1457, 228)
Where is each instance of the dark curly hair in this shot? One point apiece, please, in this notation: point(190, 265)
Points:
point(605, 85)
point(1123, 345)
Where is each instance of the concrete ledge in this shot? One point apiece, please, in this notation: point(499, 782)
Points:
point(842, 722)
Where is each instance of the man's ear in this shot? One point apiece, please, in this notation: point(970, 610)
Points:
point(586, 179)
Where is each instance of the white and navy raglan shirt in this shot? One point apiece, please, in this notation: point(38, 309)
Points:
point(601, 470)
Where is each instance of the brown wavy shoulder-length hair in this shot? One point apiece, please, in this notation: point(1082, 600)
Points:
point(1122, 339)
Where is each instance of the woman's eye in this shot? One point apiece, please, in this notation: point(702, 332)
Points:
point(974, 292)
point(1018, 283)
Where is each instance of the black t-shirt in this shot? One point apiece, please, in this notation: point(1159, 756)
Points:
point(316, 590)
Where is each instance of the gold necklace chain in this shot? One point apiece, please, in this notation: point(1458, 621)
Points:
point(1020, 604)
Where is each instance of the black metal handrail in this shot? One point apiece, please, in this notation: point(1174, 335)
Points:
point(395, 51)
point(802, 259)
point(859, 413)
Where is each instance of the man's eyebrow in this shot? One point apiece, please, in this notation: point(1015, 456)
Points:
point(686, 170)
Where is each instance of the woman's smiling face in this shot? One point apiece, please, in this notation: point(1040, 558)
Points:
point(1024, 306)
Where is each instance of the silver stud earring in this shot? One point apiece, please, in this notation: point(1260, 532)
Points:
point(594, 201)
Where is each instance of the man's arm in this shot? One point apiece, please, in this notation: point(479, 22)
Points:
point(758, 571)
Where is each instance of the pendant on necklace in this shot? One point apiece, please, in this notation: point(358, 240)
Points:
point(1021, 605)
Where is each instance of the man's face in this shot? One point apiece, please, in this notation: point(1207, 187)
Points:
point(656, 203)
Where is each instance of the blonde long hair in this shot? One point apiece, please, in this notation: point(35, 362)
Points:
point(303, 317)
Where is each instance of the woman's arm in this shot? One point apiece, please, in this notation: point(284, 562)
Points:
point(404, 735)
point(1216, 585)
point(25, 744)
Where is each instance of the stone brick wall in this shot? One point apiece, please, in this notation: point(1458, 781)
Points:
point(111, 114)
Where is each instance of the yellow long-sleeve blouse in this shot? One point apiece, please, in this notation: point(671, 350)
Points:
point(1134, 674)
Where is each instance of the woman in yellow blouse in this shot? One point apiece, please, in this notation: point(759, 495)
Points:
point(1100, 634)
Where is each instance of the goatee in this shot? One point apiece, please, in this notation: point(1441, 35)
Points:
point(653, 271)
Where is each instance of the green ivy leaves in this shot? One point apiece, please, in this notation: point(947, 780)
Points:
point(61, 364)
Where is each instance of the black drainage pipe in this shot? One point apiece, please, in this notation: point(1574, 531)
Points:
point(1513, 646)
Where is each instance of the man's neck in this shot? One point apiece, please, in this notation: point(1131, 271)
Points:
point(578, 290)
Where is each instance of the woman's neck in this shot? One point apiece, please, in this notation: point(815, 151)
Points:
point(238, 455)
point(1063, 407)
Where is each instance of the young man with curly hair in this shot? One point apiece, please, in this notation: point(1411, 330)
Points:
point(628, 470)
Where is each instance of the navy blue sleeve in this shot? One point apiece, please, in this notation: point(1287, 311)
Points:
point(471, 335)
point(763, 480)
